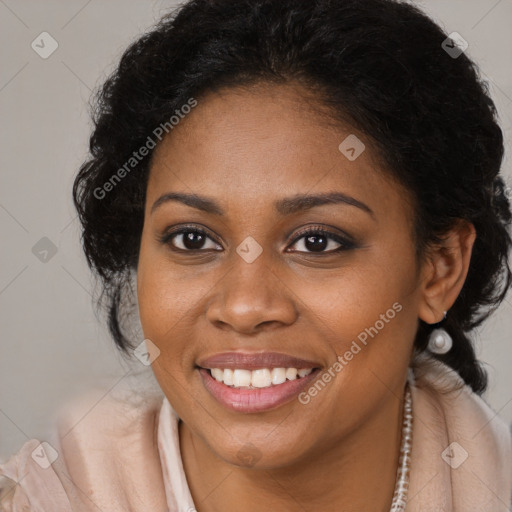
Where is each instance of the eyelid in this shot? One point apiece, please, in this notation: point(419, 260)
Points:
point(329, 230)
point(345, 240)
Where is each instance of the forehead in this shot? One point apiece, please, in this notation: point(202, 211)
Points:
point(267, 141)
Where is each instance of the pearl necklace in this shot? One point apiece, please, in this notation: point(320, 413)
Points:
point(404, 463)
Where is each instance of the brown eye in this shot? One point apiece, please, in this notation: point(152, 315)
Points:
point(189, 240)
point(321, 242)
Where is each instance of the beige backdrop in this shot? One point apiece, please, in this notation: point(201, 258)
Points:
point(52, 346)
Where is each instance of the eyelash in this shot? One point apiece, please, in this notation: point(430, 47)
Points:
point(344, 243)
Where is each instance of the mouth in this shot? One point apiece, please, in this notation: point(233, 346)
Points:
point(240, 378)
point(256, 382)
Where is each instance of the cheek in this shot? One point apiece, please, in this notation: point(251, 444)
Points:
point(156, 296)
point(358, 294)
point(170, 301)
point(368, 319)
point(161, 306)
point(367, 311)
point(162, 297)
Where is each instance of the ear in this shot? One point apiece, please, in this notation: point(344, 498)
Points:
point(444, 271)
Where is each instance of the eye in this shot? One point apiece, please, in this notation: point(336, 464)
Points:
point(311, 240)
point(318, 240)
point(189, 239)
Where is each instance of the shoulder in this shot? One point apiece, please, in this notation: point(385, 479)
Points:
point(103, 450)
point(466, 413)
point(458, 439)
point(28, 477)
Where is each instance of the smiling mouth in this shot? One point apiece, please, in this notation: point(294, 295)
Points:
point(256, 391)
point(257, 379)
point(252, 382)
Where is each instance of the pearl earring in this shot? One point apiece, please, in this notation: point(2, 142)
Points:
point(439, 341)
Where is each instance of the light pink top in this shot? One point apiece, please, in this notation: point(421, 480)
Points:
point(124, 455)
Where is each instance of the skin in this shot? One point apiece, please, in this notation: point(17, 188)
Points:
point(247, 148)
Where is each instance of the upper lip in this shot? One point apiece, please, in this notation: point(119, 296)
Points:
point(255, 361)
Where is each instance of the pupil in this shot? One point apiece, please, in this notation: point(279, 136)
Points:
point(193, 240)
point(311, 246)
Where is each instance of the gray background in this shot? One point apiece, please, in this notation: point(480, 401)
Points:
point(52, 345)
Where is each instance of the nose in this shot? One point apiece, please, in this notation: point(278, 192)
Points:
point(250, 298)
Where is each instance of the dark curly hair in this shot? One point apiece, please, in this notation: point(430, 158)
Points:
point(379, 64)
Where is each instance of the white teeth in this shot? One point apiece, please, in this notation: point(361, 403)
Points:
point(278, 375)
point(291, 373)
point(241, 378)
point(228, 377)
point(218, 374)
point(262, 378)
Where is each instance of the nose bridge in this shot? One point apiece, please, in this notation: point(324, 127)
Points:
point(251, 294)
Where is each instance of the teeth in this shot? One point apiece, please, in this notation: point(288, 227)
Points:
point(291, 373)
point(278, 375)
point(262, 378)
point(241, 378)
point(228, 377)
point(218, 374)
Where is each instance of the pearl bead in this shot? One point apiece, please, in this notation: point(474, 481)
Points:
point(440, 342)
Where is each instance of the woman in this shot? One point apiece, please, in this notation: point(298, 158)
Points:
point(316, 222)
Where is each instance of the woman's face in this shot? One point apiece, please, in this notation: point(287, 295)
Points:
point(250, 169)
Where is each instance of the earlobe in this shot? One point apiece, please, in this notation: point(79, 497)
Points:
point(445, 270)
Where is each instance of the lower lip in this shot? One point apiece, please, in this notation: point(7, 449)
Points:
point(255, 400)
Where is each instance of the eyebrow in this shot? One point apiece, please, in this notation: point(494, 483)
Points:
point(285, 206)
